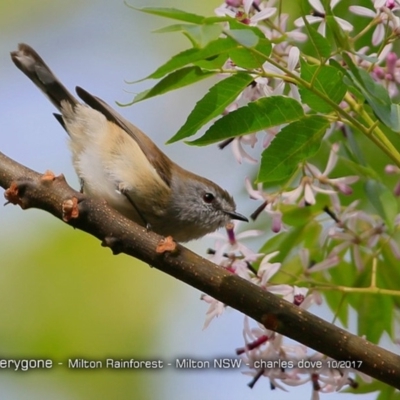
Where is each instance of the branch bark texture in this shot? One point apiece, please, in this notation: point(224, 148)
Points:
point(31, 189)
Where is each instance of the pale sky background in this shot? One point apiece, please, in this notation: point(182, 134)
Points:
point(97, 44)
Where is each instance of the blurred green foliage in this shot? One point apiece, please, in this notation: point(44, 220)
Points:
point(63, 296)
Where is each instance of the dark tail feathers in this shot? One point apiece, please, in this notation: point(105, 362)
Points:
point(32, 65)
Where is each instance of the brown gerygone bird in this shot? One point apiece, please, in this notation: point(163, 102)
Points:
point(117, 162)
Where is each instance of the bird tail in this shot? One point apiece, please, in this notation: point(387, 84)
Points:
point(32, 65)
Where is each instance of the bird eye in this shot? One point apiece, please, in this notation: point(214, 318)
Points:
point(208, 197)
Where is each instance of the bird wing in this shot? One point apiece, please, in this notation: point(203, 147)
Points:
point(156, 157)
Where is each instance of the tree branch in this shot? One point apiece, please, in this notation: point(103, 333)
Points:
point(30, 189)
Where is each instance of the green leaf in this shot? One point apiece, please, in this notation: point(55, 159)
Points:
point(370, 306)
point(172, 28)
point(246, 58)
point(213, 104)
point(288, 243)
point(201, 35)
point(173, 13)
point(395, 117)
point(215, 62)
point(337, 65)
point(370, 311)
point(389, 269)
point(375, 95)
point(282, 242)
point(235, 25)
point(341, 38)
point(357, 167)
point(327, 80)
point(353, 89)
point(293, 144)
point(245, 37)
point(355, 154)
point(216, 19)
point(175, 80)
point(210, 52)
point(294, 215)
point(365, 387)
point(190, 56)
point(383, 201)
point(257, 115)
point(338, 305)
point(388, 393)
point(342, 274)
point(320, 44)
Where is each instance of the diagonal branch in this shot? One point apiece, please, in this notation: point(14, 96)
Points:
point(30, 189)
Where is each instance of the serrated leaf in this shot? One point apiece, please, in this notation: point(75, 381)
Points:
point(213, 104)
point(288, 271)
point(383, 201)
point(173, 13)
point(358, 168)
point(175, 80)
point(201, 35)
point(341, 38)
point(343, 274)
point(286, 242)
point(355, 153)
point(215, 62)
point(375, 95)
point(246, 58)
point(257, 115)
point(245, 37)
point(294, 215)
point(337, 65)
point(327, 80)
point(305, 236)
point(376, 91)
point(352, 88)
point(190, 56)
point(235, 25)
point(390, 266)
point(282, 242)
point(370, 308)
point(369, 312)
point(264, 46)
point(338, 306)
point(171, 28)
point(395, 117)
point(389, 272)
point(295, 143)
point(312, 234)
point(216, 19)
point(320, 44)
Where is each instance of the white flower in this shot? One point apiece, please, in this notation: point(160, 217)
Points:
point(379, 32)
point(267, 269)
point(215, 310)
point(319, 8)
point(292, 61)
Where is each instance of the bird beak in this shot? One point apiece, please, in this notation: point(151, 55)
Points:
point(236, 215)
